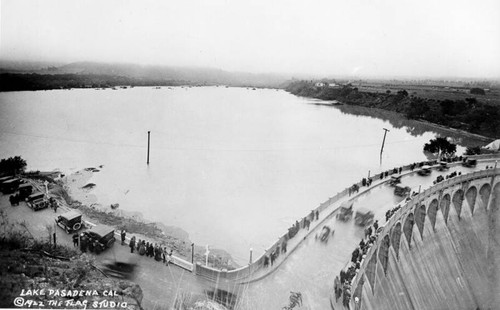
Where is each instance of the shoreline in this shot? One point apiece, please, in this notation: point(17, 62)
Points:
point(402, 103)
point(75, 191)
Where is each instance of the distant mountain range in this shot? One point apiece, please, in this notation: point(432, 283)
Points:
point(145, 74)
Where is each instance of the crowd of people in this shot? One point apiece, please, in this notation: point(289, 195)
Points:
point(391, 212)
point(142, 247)
point(85, 243)
point(440, 178)
point(343, 282)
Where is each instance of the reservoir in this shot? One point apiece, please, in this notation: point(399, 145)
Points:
point(234, 167)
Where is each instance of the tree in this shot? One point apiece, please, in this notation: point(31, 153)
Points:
point(473, 150)
point(12, 165)
point(417, 109)
point(477, 91)
point(440, 146)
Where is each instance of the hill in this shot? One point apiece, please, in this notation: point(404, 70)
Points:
point(35, 76)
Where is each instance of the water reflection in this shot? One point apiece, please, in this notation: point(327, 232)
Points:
point(413, 127)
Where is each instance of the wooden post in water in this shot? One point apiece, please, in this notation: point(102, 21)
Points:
point(148, 146)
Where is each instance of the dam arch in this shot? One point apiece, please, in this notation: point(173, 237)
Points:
point(408, 228)
point(458, 199)
point(420, 218)
point(445, 207)
point(383, 252)
point(484, 194)
point(432, 212)
point(396, 238)
point(471, 196)
point(371, 272)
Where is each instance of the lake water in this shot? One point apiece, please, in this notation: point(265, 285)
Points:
point(234, 167)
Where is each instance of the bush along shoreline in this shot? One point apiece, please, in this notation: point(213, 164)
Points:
point(469, 115)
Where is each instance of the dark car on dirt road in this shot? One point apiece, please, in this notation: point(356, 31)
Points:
point(25, 190)
point(101, 236)
point(37, 201)
point(70, 221)
point(10, 186)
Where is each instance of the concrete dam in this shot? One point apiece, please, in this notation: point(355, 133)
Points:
point(439, 251)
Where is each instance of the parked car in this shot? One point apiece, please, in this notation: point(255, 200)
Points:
point(470, 163)
point(443, 166)
point(10, 186)
point(363, 217)
point(35, 196)
point(325, 233)
point(103, 236)
point(345, 212)
point(424, 171)
point(39, 204)
point(3, 179)
point(401, 190)
point(25, 190)
point(395, 179)
point(70, 221)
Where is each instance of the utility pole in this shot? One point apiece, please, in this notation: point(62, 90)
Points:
point(383, 142)
point(148, 146)
point(192, 253)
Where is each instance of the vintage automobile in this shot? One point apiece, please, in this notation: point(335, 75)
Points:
point(363, 217)
point(395, 179)
point(401, 190)
point(325, 233)
point(443, 166)
point(10, 186)
point(103, 237)
point(35, 196)
point(469, 163)
point(25, 190)
point(70, 221)
point(39, 204)
point(345, 211)
point(5, 179)
point(424, 171)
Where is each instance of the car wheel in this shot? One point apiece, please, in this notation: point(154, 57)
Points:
point(77, 226)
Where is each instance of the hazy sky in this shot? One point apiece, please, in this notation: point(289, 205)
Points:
point(330, 37)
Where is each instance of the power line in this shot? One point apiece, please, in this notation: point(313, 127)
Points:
point(200, 149)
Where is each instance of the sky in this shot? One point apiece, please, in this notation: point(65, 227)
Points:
point(424, 38)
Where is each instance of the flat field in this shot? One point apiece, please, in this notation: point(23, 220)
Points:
point(437, 92)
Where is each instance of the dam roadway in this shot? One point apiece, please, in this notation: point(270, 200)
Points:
point(308, 267)
point(313, 266)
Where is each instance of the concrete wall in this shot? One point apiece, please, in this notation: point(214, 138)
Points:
point(440, 251)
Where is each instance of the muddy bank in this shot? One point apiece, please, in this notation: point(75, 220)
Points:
point(75, 191)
